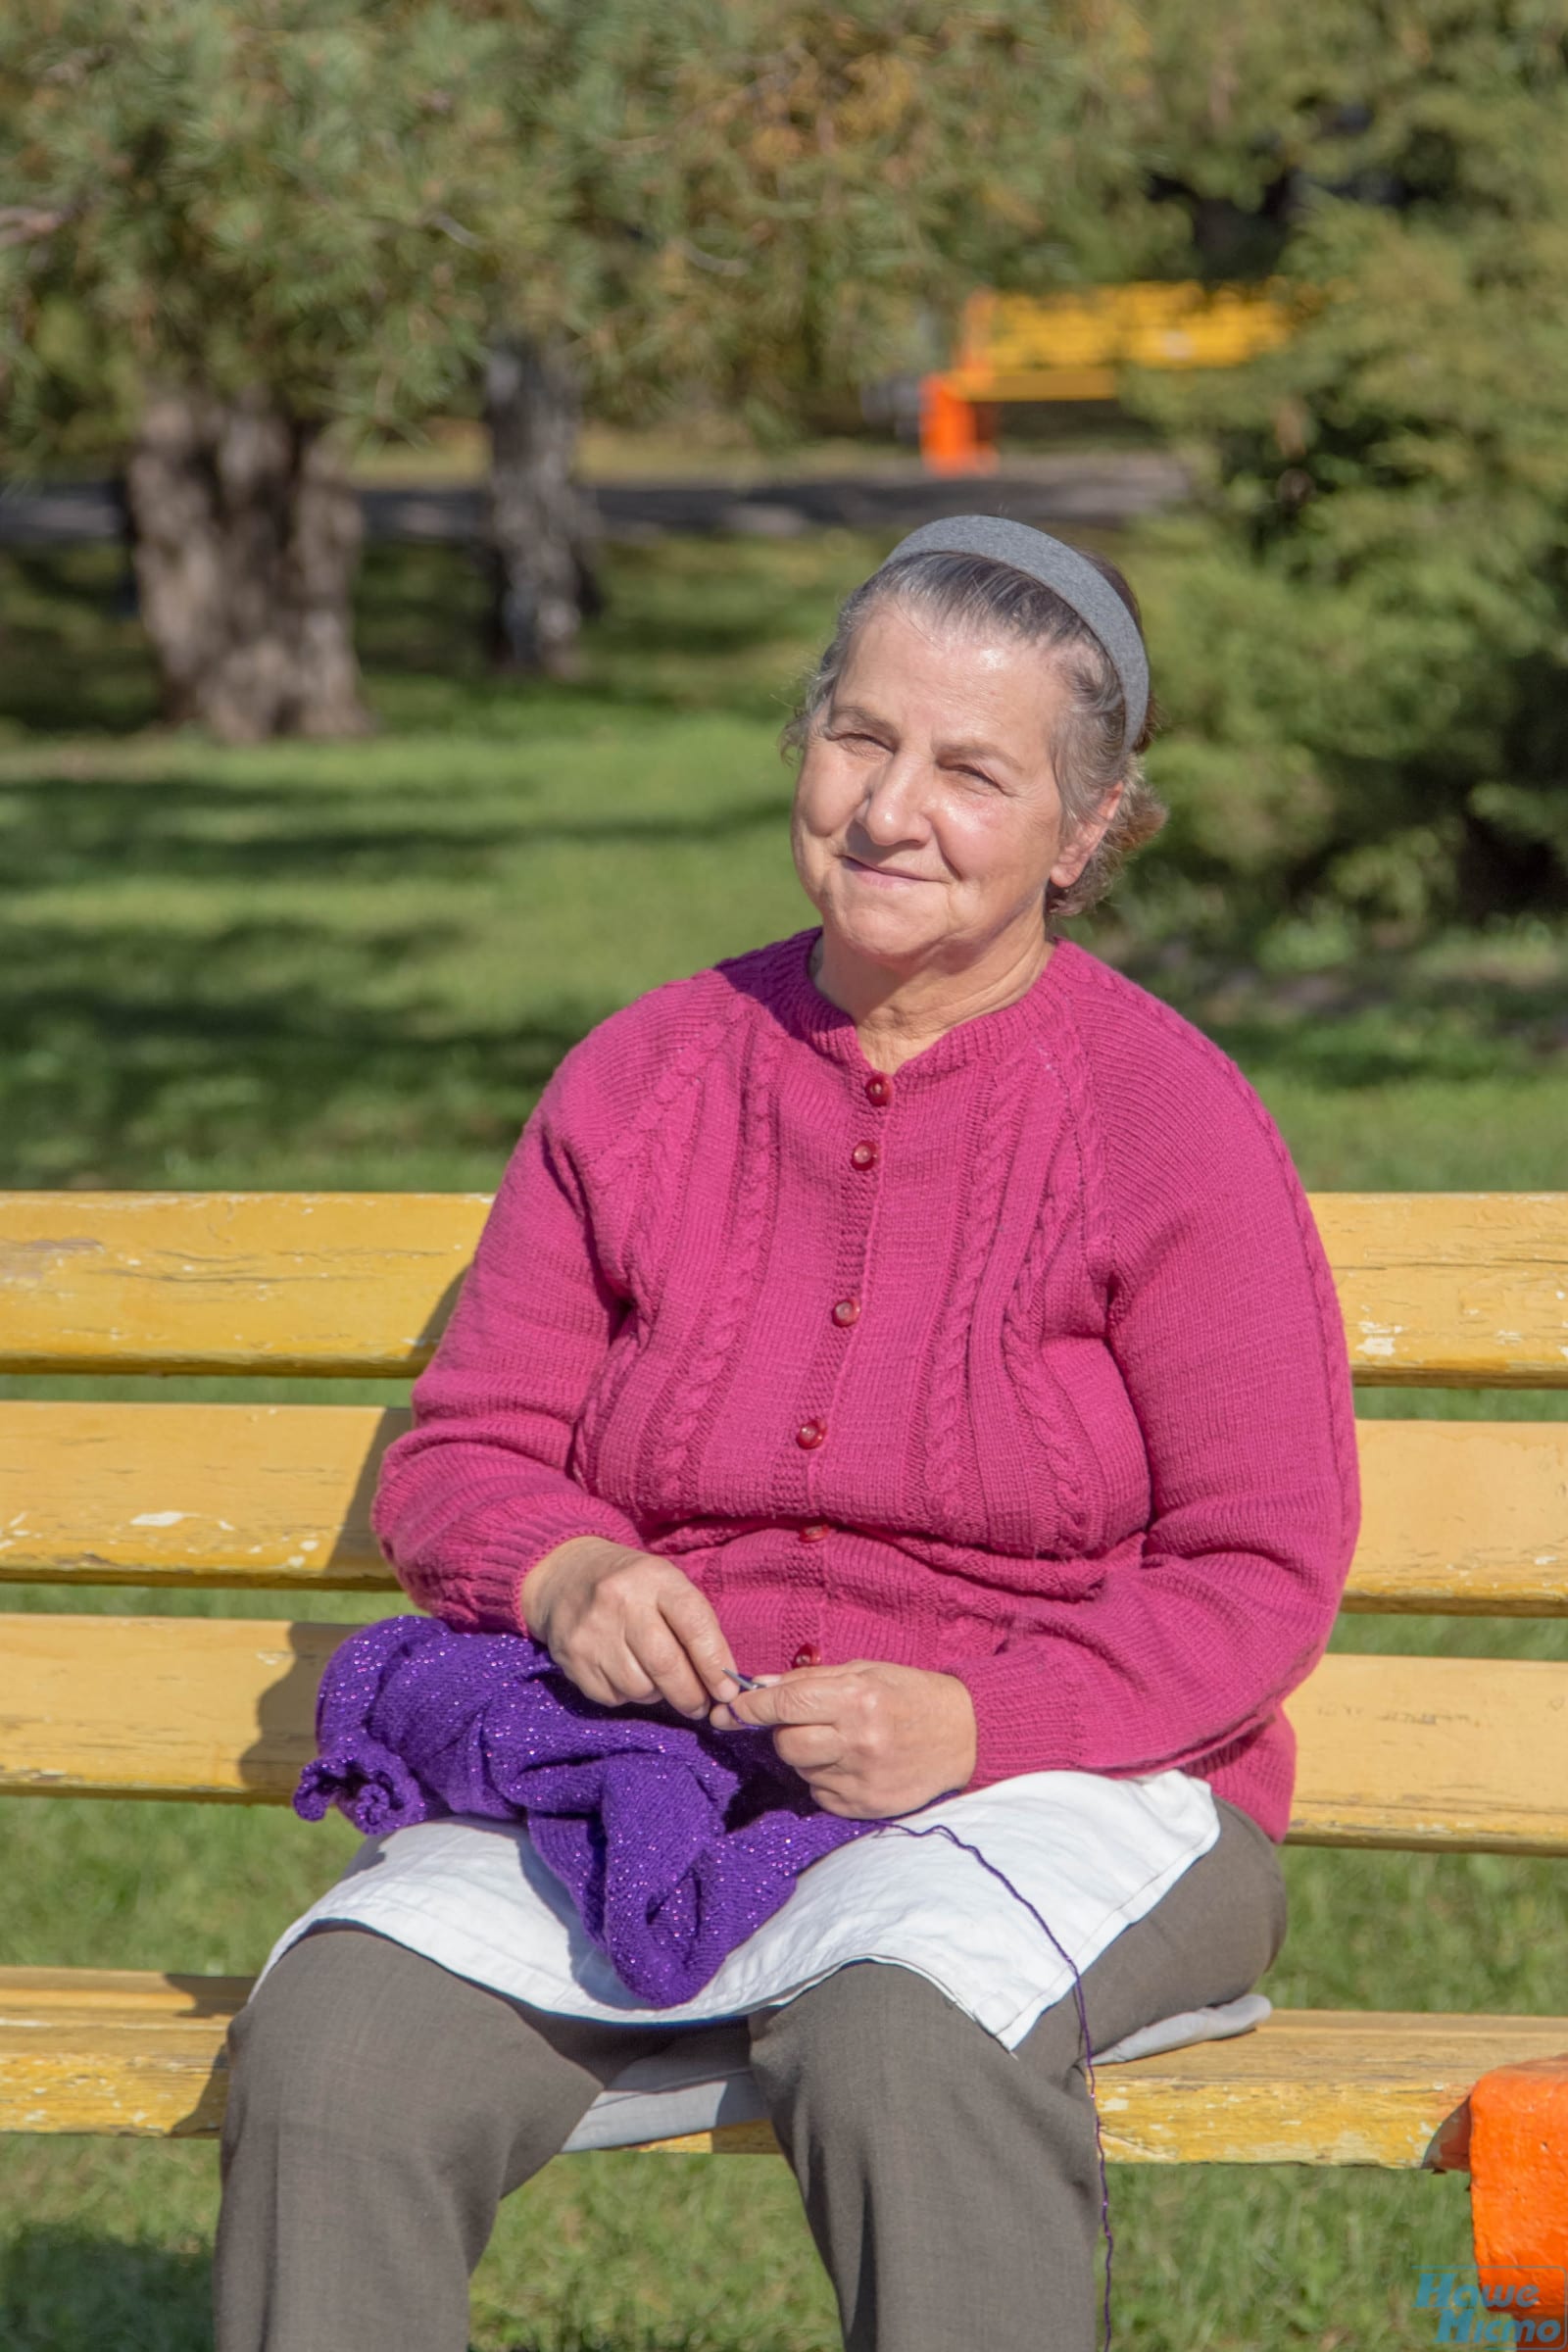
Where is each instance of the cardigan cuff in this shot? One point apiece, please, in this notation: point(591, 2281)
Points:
point(496, 1581)
point(1024, 1716)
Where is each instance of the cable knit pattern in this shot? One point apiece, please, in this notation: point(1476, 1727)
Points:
point(1038, 1387)
point(947, 1398)
point(740, 1266)
point(1023, 1364)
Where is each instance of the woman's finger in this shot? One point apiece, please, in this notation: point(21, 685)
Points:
point(810, 1694)
point(695, 1625)
point(809, 1747)
point(666, 1665)
point(591, 1682)
point(626, 1675)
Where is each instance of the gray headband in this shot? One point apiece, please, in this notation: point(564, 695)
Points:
point(1061, 568)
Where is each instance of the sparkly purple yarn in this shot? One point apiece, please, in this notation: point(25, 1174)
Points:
point(675, 1841)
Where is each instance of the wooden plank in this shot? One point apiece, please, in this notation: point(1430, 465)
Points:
point(232, 1494)
point(1407, 1753)
point(1439, 1289)
point(1464, 1516)
point(120, 1995)
point(1422, 1752)
point(1019, 346)
point(319, 1282)
point(143, 2054)
point(212, 1707)
point(1451, 1289)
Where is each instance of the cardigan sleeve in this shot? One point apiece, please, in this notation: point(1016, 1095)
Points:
point(477, 1489)
point(1224, 1324)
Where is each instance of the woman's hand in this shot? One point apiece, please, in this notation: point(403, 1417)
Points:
point(628, 1627)
point(870, 1739)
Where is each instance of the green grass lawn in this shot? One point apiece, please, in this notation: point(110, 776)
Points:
point(356, 965)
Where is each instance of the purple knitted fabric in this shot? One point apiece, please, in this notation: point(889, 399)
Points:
point(675, 1841)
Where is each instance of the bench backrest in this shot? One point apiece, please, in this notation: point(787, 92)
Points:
point(1437, 1290)
point(1070, 344)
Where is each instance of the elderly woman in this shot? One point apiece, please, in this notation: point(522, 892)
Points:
point(912, 1338)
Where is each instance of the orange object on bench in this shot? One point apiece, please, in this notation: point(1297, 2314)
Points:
point(1519, 2192)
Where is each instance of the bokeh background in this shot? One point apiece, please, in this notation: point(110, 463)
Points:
point(435, 440)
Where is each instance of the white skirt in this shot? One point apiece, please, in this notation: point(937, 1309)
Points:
point(1092, 1854)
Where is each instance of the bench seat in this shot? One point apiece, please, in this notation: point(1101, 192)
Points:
point(136, 2053)
point(1462, 1517)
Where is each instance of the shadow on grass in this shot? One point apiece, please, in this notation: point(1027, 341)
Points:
point(129, 1041)
point(63, 831)
point(69, 2289)
point(1381, 1018)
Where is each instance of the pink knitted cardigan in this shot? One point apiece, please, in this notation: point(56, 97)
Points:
point(1023, 1364)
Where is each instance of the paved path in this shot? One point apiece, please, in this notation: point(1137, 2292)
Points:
point(1096, 491)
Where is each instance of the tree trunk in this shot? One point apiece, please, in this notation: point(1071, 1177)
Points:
point(540, 533)
point(247, 539)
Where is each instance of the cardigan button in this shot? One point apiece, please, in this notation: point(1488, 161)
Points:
point(811, 1433)
point(807, 1655)
point(865, 1155)
point(847, 1311)
point(814, 1529)
point(878, 1088)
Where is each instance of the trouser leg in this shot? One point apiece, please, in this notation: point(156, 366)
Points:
point(953, 2186)
point(379, 2109)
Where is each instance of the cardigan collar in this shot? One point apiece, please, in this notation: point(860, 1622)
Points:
point(806, 1013)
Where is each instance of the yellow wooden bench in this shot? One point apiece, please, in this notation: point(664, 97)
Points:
point(1073, 346)
point(1466, 1517)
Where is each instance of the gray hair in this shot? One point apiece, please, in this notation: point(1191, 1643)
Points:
point(973, 593)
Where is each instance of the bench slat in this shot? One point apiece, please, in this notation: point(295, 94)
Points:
point(1407, 1753)
point(1470, 1517)
point(229, 1495)
point(143, 2054)
point(317, 1282)
point(213, 1708)
point(1437, 1289)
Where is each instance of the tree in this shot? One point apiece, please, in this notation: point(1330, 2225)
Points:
point(754, 205)
point(273, 217)
point(1367, 624)
point(248, 223)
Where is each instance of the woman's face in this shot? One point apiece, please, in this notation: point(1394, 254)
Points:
point(926, 817)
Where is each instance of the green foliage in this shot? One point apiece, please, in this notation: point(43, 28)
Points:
point(337, 202)
point(760, 196)
point(306, 196)
point(1364, 629)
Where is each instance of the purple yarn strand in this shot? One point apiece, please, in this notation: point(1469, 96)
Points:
point(940, 1829)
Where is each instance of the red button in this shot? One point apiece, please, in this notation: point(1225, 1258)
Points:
point(846, 1311)
point(807, 1655)
point(809, 1434)
point(865, 1155)
point(879, 1088)
point(814, 1529)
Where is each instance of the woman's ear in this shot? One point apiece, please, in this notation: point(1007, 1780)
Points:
point(1077, 852)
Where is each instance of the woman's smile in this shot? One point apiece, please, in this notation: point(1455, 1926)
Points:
point(881, 873)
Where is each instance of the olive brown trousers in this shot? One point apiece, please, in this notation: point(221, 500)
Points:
point(381, 2108)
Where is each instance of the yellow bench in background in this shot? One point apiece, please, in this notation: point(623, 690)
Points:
point(1468, 1517)
point(1073, 346)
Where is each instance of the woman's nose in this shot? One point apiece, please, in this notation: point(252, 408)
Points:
point(893, 805)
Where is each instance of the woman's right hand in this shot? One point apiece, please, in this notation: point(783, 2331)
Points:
point(628, 1627)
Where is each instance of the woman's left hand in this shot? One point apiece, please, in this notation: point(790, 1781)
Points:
point(870, 1740)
